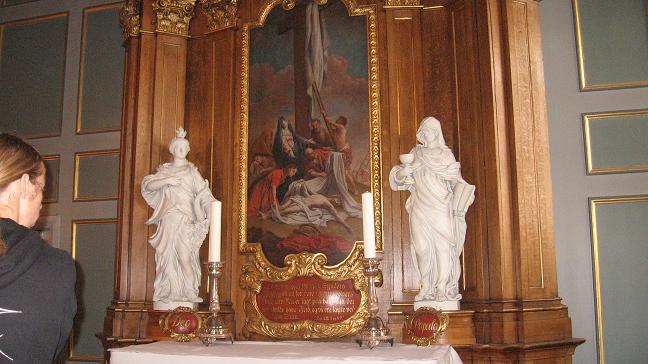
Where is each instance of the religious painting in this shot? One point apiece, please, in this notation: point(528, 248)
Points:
point(312, 128)
point(309, 147)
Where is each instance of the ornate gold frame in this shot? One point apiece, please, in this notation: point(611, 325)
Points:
point(183, 338)
point(444, 319)
point(581, 61)
point(593, 202)
point(374, 113)
point(588, 147)
point(302, 265)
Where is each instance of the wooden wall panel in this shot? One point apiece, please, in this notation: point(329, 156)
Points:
point(405, 112)
point(531, 155)
point(210, 125)
point(468, 147)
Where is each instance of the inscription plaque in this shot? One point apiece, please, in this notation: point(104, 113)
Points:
point(308, 298)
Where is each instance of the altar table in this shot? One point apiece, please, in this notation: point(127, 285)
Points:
point(292, 352)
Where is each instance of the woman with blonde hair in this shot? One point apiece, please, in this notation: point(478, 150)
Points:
point(37, 299)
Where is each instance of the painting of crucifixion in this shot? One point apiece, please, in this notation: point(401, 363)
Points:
point(308, 131)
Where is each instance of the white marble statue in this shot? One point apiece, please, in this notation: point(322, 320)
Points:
point(181, 201)
point(437, 206)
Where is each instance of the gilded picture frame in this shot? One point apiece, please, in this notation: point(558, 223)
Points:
point(341, 268)
point(247, 245)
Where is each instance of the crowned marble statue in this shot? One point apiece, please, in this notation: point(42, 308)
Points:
point(437, 205)
point(181, 201)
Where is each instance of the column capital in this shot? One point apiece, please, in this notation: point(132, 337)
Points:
point(129, 18)
point(221, 14)
point(173, 16)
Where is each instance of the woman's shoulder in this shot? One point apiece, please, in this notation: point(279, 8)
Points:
point(58, 260)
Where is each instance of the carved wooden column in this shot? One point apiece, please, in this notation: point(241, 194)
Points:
point(481, 74)
point(515, 295)
point(404, 98)
point(210, 110)
point(154, 103)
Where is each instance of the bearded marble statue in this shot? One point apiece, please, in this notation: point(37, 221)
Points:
point(439, 199)
point(181, 200)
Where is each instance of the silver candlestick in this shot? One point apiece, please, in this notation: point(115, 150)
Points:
point(374, 331)
point(214, 329)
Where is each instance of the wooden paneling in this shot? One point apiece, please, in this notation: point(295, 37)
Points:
point(473, 64)
point(210, 126)
point(405, 103)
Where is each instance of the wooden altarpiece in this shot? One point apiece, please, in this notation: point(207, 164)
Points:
point(476, 65)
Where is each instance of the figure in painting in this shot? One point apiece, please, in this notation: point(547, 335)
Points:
point(261, 165)
point(288, 146)
point(320, 135)
point(339, 135)
point(180, 198)
point(264, 196)
point(437, 206)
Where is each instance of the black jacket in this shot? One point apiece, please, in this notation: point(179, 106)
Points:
point(37, 299)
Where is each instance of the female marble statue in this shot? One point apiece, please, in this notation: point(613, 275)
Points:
point(180, 198)
point(437, 206)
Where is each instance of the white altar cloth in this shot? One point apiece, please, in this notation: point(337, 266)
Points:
point(256, 352)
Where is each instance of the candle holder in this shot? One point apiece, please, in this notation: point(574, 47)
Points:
point(214, 329)
point(374, 331)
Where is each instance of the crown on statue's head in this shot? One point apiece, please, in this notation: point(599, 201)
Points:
point(181, 133)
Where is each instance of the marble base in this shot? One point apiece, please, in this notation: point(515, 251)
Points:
point(168, 306)
point(441, 306)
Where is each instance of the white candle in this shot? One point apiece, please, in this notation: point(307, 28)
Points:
point(368, 232)
point(215, 231)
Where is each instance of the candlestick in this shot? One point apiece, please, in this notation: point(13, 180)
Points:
point(214, 328)
point(368, 232)
point(215, 231)
point(374, 331)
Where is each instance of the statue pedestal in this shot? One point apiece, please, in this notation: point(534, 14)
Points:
point(438, 305)
point(170, 306)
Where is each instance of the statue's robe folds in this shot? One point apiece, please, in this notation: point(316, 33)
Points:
point(180, 214)
point(437, 230)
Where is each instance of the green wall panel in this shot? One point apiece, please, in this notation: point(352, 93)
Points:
point(96, 175)
point(613, 43)
point(15, 2)
point(100, 95)
point(31, 76)
point(616, 142)
point(52, 164)
point(94, 252)
point(620, 253)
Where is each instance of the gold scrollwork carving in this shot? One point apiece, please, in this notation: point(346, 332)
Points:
point(221, 14)
point(129, 18)
point(173, 16)
point(302, 265)
point(402, 3)
point(433, 329)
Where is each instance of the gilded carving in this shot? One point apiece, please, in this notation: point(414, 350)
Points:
point(221, 14)
point(425, 326)
point(129, 18)
point(402, 3)
point(259, 272)
point(173, 16)
point(302, 265)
